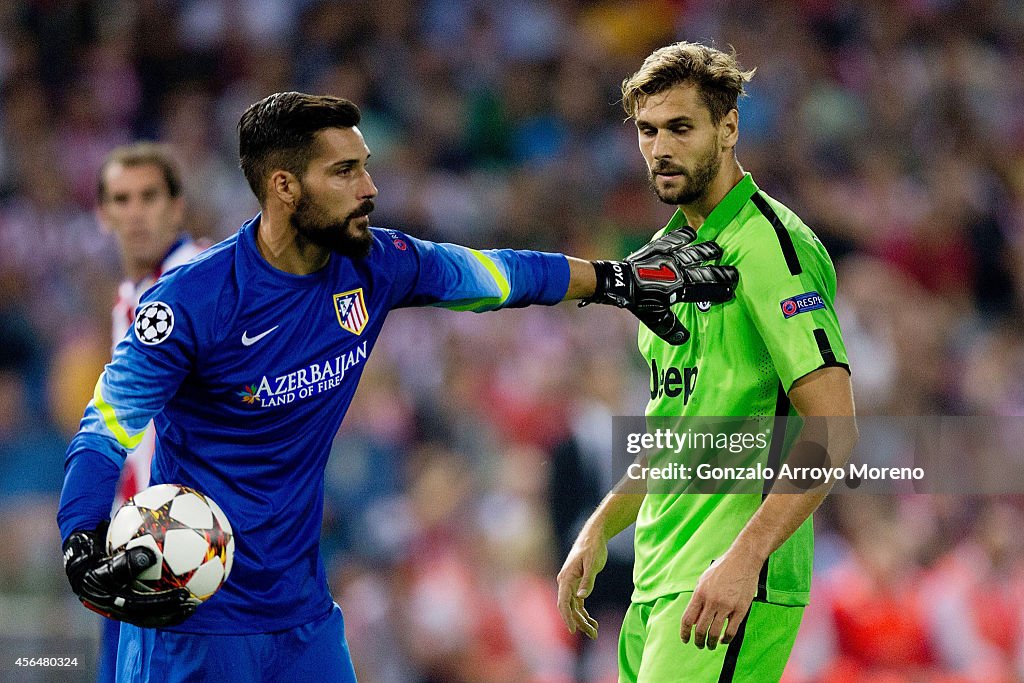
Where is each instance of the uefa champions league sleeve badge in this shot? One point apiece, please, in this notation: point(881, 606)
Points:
point(154, 323)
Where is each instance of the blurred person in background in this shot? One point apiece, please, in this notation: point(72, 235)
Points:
point(974, 598)
point(776, 350)
point(140, 203)
point(582, 471)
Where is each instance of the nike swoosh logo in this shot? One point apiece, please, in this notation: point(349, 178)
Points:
point(249, 341)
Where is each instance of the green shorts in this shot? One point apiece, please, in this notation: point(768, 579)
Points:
point(650, 650)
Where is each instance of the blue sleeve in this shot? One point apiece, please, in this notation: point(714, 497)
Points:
point(463, 279)
point(137, 383)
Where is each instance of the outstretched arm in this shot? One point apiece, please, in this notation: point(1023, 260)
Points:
point(647, 283)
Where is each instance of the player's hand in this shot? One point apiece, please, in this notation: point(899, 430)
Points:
point(103, 583)
point(723, 593)
point(576, 581)
point(665, 272)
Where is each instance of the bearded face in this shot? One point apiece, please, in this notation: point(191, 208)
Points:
point(688, 184)
point(349, 236)
point(683, 146)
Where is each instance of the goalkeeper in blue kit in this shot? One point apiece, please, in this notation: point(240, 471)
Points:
point(267, 335)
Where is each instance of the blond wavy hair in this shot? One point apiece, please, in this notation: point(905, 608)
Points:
point(716, 74)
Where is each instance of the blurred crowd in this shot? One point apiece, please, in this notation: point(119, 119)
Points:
point(478, 444)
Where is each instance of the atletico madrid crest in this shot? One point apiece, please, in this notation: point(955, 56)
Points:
point(351, 309)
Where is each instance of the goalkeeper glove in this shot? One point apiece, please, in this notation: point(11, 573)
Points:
point(103, 583)
point(665, 272)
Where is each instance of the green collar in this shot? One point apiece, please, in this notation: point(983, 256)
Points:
point(722, 214)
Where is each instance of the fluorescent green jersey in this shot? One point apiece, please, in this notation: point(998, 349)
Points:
point(741, 360)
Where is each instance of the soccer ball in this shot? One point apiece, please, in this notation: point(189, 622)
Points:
point(189, 533)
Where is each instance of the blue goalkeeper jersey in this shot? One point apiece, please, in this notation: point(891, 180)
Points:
point(247, 373)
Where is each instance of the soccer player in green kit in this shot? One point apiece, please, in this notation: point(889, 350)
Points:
point(721, 568)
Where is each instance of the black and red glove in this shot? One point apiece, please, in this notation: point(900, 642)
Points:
point(104, 583)
point(665, 272)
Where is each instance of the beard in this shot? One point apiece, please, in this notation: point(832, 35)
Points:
point(698, 178)
point(314, 225)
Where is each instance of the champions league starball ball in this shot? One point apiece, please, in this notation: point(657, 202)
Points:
point(189, 533)
point(154, 323)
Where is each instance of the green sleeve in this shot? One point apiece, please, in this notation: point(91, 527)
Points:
point(791, 300)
